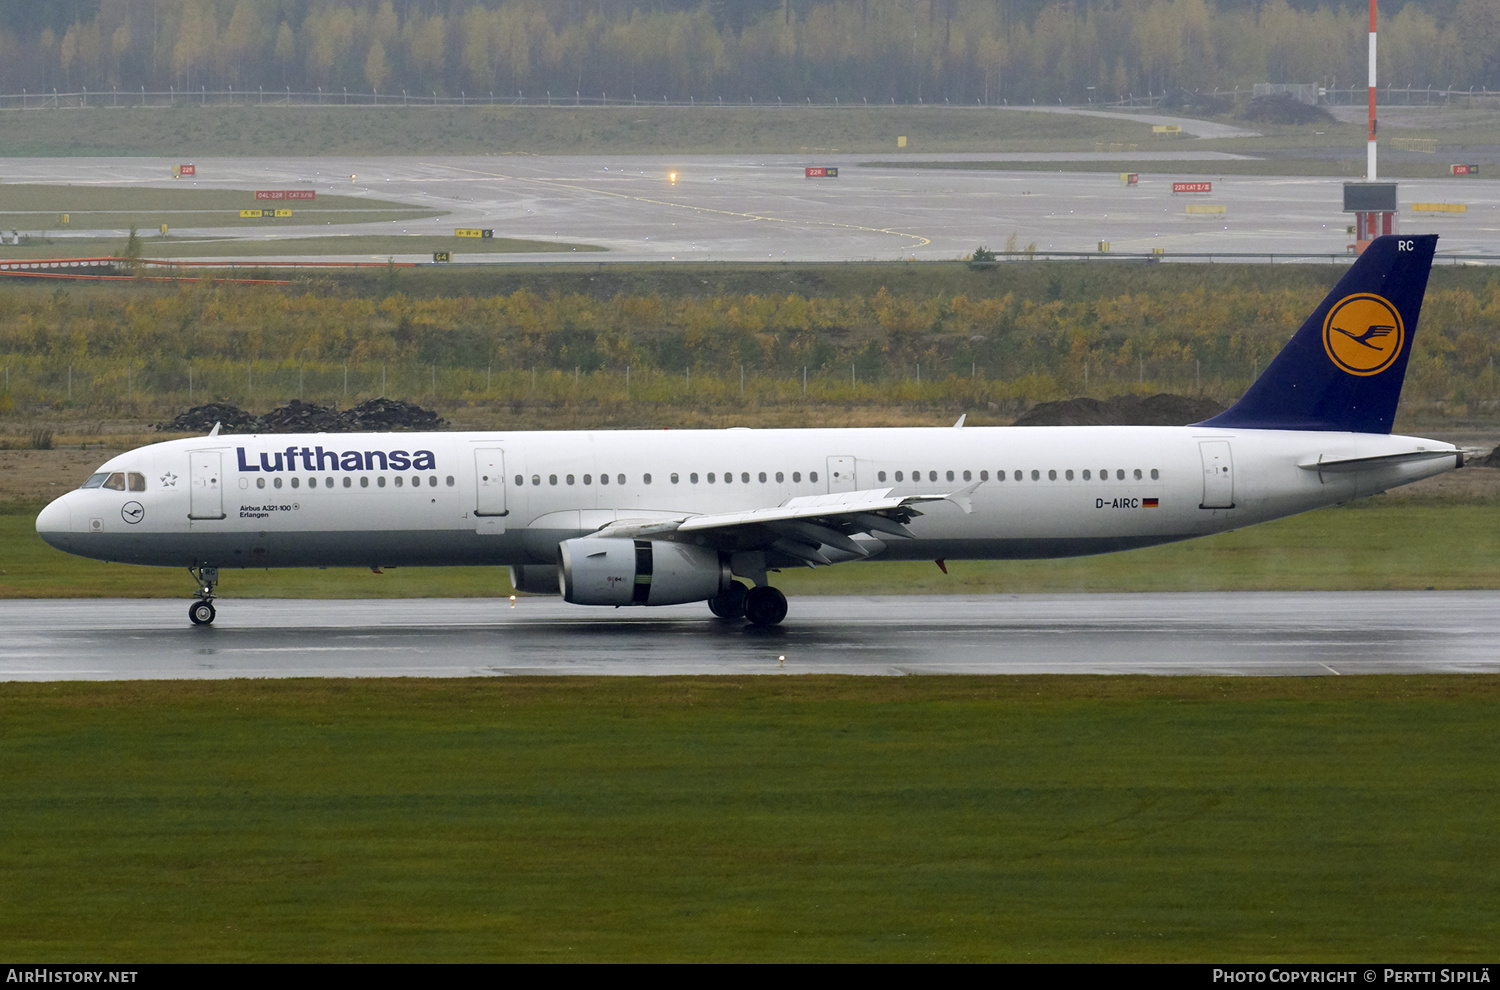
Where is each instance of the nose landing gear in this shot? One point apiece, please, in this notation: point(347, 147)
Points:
point(202, 611)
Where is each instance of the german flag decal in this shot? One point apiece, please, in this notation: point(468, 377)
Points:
point(1149, 503)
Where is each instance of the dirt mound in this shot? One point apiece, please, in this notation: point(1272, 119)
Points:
point(1284, 108)
point(1122, 410)
point(302, 417)
point(377, 415)
point(201, 419)
point(1493, 460)
point(391, 414)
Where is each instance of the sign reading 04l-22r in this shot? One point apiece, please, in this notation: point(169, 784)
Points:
point(473, 232)
point(822, 172)
point(1363, 334)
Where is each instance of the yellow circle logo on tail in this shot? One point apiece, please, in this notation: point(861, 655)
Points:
point(1363, 334)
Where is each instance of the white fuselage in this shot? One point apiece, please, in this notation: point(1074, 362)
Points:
point(392, 499)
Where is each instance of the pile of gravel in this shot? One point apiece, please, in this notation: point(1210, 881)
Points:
point(1284, 108)
point(374, 416)
point(1122, 410)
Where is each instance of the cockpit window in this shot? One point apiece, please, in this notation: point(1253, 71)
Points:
point(137, 481)
point(95, 480)
point(115, 482)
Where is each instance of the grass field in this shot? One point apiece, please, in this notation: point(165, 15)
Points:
point(1343, 168)
point(1373, 545)
point(769, 819)
point(376, 246)
point(187, 131)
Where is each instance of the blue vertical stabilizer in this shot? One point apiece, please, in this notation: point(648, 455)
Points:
point(1343, 370)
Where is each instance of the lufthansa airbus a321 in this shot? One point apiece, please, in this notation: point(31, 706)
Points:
point(668, 517)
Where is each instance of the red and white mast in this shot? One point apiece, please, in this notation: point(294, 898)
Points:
point(1370, 147)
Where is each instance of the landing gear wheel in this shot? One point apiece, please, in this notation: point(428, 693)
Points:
point(202, 613)
point(765, 606)
point(730, 603)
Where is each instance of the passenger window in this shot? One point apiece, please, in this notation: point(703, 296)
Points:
point(276, 482)
point(745, 477)
point(985, 475)
point(137, 481)
point(1137, 474)
point(675, 479)
point(710, 477)
point(94, 480)
point(899, 476)
point(380, 481)
point(1154, 475)
point(1086, 474)
point(950, 475)
point(604, 479)
point(536, 479)
point(796, 476)
point(1120, 475)
point(520, 480)
point(450, 480)
point(348, 481)
point(968, 476)
point(728, 477)
point(432, 481)
point(416, 482)
point(931, 475)
point(327, 482)
point(116, 482)
point(620, 479)
point(646, 478)
point(1051, 475)
point(812, 476)
point(763, 477)
point(1036, 475)
point(364, 482)
point(1069, 474)
point(551, 479)
point(399, 482)
point(570, 479)
point(780, 477)
point(693, 478)
point(880, 476)
point(588, 479)
point(260, 482)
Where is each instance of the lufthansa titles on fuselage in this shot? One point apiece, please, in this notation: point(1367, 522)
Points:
point(320, 459)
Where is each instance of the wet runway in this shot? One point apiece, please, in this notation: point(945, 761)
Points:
point(762, 208)
point(1291, 634)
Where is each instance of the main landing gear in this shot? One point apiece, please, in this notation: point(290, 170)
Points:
point(763, 606)
point(202, 611)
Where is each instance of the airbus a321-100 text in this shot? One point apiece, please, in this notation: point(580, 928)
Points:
point(668, 517)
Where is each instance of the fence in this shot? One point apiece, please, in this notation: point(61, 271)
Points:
point(52, 99)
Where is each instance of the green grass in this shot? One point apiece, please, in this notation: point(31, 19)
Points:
point(775, 819)
point(186, 132)
point(1375, 545)
point(35, 198)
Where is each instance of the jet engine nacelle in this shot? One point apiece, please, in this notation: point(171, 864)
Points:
point(611, 571)
point(535, 579)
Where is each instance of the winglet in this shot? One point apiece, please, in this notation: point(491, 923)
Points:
point(215, 431)
point(960, 424)
point(960, 498)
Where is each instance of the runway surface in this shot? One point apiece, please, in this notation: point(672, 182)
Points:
point(760, 208)
point(1309, 634)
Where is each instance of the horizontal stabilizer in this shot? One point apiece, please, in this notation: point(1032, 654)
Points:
point(1344, 465)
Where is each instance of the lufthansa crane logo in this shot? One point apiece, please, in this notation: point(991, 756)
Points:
point(1363, 334)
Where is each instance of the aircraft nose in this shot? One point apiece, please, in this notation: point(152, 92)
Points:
point(55, 523)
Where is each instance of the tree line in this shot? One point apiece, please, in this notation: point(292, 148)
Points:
point(960, 51)
point(570, 346)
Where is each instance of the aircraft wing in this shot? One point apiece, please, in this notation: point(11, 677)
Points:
point(799, 528)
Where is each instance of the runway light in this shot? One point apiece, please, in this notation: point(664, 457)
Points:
point(512, 601)
point(781, 659)
point(673, 176)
